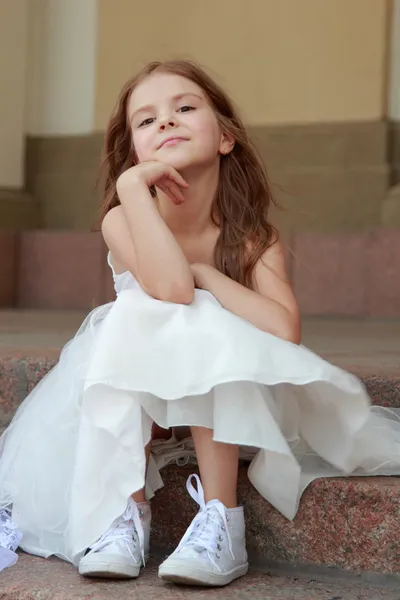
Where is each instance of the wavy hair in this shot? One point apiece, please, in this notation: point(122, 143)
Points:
point(243, 196)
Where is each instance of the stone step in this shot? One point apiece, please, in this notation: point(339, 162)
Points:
point(344, 525)
point(35, 274)
point(21, 371)
point(345, 529)
point(33, 578)
point(347, 524)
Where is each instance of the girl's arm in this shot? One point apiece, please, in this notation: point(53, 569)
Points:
point(138, 237)
point(272, 308)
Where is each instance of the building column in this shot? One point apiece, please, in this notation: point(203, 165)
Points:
point(394, 91)
point(394, 60)
point(62, 46)
point(13, 35)
point(391, 206)
point(62, 65)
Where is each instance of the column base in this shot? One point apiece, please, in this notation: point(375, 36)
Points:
point(18, 211)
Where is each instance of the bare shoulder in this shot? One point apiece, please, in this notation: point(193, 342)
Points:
point(271, 277)
point(274, 260)
point(113, 220)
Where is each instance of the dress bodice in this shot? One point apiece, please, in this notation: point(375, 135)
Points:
point(122, 281)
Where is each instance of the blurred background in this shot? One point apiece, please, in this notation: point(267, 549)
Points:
point(317, 82)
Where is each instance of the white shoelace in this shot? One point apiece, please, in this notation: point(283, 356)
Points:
point(209, 527)
point(126, 528)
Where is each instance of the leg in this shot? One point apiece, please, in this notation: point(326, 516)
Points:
point(218, 464)
point(213, 550)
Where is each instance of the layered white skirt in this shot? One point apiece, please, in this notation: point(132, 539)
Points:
point(75, 449)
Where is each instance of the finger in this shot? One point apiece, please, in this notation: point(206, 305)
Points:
point(177, 178)
point(176, 191)
point(172, 191)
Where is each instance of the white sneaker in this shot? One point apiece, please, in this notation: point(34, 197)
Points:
point(213, 550)
point(123, 549)
point(10, 538)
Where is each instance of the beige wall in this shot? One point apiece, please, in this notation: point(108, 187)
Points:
point(284, 61)
point(13, 28)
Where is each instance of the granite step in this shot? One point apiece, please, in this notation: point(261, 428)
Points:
point(343, 526)
point(35, 578)
point(21, 370)
point(346, 524)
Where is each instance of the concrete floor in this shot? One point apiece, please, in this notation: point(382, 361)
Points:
point(35, 578)
point(366, 345)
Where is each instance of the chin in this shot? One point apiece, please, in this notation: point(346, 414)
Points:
point(182, 161)
point(178, 160)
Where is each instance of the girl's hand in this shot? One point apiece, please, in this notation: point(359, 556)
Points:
point(153, 173)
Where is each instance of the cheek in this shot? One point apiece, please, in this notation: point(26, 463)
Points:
point(207, 125)
point(142, 145)
point(208, 133)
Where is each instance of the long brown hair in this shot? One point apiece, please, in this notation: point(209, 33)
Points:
point(243, 196)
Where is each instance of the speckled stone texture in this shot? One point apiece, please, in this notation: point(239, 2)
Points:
point(384, 391)
point(18, 376)
point(349, 523)
point(20, 372)
point(39, 579)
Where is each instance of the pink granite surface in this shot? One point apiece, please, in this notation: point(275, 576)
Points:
point(21, 371)
point(18, 376)
point(60, 270)
point(347, 274)
point(384, 391)
point(39, 579)
point(329, 273)
point(349, 523)
point(383, 277)
point(34, 272)
point(342, 274)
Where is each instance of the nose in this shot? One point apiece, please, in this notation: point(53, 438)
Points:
point(167, 122)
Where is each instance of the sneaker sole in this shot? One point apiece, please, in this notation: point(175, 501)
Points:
point(181, 575)
point(109, 571)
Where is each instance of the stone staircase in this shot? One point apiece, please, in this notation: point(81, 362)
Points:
point(344, 541)
point(350, 274)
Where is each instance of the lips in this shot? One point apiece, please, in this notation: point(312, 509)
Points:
point(172, 140)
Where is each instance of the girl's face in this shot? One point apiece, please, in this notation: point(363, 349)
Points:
point(173, 122)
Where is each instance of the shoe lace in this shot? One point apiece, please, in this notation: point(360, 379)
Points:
point(209, 527)
point(128, 528)
point(10, 535)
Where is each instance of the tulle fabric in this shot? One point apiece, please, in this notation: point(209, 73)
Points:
point(74, 451)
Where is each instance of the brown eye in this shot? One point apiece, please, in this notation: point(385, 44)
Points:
point(185, 108)
point(146, 122)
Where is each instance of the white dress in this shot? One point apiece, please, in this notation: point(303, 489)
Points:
point(75, 450)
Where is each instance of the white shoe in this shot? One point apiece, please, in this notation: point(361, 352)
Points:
point(213, 550)
point(122, 550)
point(10, 538)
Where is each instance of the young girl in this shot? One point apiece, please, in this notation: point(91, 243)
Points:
point(205, 333)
